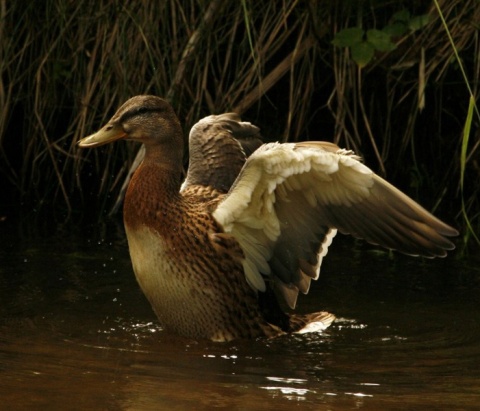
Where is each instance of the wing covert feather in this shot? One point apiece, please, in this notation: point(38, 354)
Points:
point(289, 200)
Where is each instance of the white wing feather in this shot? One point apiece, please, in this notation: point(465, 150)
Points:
point(289, 199)
point(271, 174)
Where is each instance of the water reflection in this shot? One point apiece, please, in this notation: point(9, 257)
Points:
point(76, 333)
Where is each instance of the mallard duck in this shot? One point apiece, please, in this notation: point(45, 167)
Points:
point(221, 255)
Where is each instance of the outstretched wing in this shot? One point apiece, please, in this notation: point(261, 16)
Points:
point(219, 146)
point(289, 200)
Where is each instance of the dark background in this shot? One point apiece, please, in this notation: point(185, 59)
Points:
point(67, 66)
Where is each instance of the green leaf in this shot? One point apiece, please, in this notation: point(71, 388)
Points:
point(418, 22)
point(402, 15)
point(362, 53)
point(396, 29)
point(348, 37)
point(466, 135)
point(380, 40)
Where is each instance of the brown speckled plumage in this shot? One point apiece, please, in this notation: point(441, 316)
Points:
point(216, 255)
point(202, 292)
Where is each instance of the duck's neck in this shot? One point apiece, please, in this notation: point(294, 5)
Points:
point(153, 191)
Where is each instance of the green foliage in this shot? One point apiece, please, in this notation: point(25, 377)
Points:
point(380, 40)
point(363, 44)
point(348, 37)
point(362, 53)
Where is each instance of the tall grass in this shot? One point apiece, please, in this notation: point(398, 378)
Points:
point(465, 154)
point(66, 66)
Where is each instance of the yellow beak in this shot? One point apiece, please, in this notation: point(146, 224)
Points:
point(103, 136)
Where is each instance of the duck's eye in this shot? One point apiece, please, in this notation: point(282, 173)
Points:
point(134, 112)
point(142, 110)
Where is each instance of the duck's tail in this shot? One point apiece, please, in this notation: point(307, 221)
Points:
point(308, 323)
point(284, 322)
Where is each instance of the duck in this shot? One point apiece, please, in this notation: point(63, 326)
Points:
point(223, 253)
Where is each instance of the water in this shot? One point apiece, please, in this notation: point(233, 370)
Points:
point(76, 333)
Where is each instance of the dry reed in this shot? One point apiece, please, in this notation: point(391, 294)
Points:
point(66, 67)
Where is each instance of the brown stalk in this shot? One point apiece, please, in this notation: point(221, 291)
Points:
point(276, 74)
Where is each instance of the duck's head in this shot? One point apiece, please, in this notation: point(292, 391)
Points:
point(146, 119)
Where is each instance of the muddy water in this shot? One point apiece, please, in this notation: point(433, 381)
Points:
point(76, 333)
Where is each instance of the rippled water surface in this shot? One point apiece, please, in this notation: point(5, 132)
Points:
point(76, 333)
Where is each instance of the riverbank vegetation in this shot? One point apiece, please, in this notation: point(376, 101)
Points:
point(392, 80)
